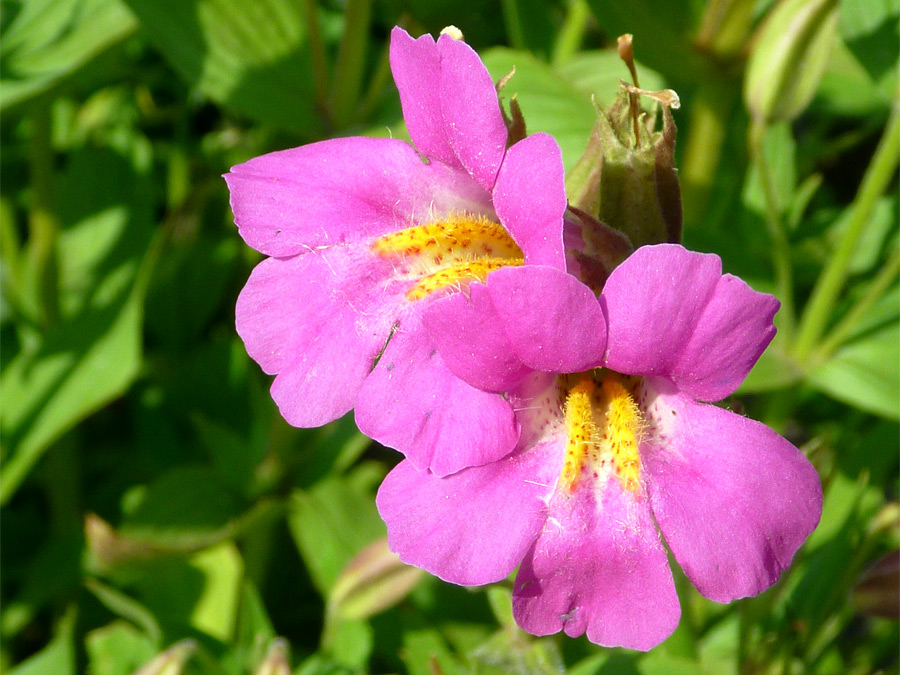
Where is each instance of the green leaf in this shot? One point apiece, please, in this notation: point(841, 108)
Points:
point(848, 88)
point(185, 508)
point(51, 39)
point(201, 592)
point(252, 57)
point(870, 29)
point(598, 73)
point(865, 373)
point(549, 101)
point(663, 32)
point(331, 523)
point(118, 648)
point(93, 354)
point(58, 657)
point(425, 651)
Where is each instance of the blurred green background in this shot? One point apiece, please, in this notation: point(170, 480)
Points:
point(159, 514)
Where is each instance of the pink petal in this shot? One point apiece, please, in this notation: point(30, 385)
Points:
point(449, 103)
point(467, 334)
point(475, 127)
point(599, 569)
point(472, 527)
point(553, 321)
point(530, 199)
point(413, 403)
point(672, 313)
point(343, 190)
point(733, 499)
point(416, 65)
point(299, 318)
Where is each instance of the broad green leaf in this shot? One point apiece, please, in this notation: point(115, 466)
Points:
point(184, 509)
point(865, 373)
point(848, 89)
point(881, 224)
point(549, 101)
point(424, 650)
point(598, 72)
point(663, 32)
point(58, 657)
point(254, 631)
point(250, 56)
point(50, 39)
point(201, 592)
point(331, 523)
point(870, 29)
point(94, 353)
point(118, 648)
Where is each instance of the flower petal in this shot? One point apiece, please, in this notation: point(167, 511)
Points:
point(472, 527)
point(298, 317)
point(599, 569)
point(733, 499)
point(343, 190)
point(416, 65)
point(449, 103)
point(475, 126)
point(466, 333)
point(554, 322)
point(672, 313)
point(530, 199)
point(413, 403)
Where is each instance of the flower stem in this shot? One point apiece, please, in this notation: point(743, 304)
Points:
point(572, 31)
point(43, 228)
point(831, 281)
point(319, 59)
point(710, 115)
point(351, 63)
point(873, 294)
point(781, 248)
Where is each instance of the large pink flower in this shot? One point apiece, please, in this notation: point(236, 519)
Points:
point(364, 234)
point(616, 451)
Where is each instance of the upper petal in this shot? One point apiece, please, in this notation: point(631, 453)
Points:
point(672, 313)
point(300, 317)
point(472, 527)
point(413, 403)
point(467, 333)
point(343, 190)
point(553, 321)
point(598, 568)
point(733, 499)
point(449, 103)
point(530, 199)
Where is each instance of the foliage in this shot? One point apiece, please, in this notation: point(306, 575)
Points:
point(159, 513)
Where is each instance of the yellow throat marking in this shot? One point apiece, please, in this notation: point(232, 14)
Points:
point(603, 429)
point(455, 250)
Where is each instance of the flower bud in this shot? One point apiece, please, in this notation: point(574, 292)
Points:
point(373, 581)
point(276, 661)
point(626, 176)
point(790, 53)
point(171, 661)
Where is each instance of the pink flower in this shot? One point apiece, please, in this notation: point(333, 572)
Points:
point(616, 451)
point(364, 235)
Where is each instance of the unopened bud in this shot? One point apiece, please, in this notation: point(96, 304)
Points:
point(789, 57)
point(626, 177)
point(373, 581)
point(171, 661)
point(277, 661)
point(453, 32)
